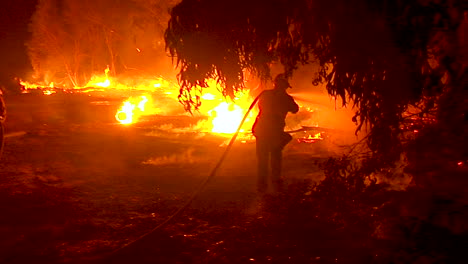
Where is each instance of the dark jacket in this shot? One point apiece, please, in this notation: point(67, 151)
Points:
point(273, 108)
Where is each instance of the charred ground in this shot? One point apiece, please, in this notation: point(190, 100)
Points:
point(76, 184)
point(76, 187)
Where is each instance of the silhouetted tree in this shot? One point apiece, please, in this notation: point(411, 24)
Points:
point(381, 56)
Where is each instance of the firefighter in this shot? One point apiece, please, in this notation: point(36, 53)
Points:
point(268, 130)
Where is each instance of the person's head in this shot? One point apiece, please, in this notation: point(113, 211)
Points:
point(281, 82)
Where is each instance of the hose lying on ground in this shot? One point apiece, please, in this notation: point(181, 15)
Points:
point(198, 190)
point(2, 121)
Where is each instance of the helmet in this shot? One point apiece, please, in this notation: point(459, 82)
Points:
point(281, 81)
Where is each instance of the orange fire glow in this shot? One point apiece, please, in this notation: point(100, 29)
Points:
point(103, 83)
point(223, 115)
point(131, 110)
point(311, 139)
point(46, 89)
point(159, 96)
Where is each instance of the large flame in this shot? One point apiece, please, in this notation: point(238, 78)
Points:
point(226, 117)
point(131, 110)
point(100, 81)
point(223, 115)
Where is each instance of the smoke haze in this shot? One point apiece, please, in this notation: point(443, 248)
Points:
point(73, 40)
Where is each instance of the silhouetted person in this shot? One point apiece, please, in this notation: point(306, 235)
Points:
point(268, 129)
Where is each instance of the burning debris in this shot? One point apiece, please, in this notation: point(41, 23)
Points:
point(310, 138)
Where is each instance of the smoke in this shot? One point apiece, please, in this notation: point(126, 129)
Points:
point(73, 40)
point(324, 111)
point(186, 157)
point(14, 17)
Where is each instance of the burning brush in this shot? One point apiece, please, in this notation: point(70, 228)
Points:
point(158, 96)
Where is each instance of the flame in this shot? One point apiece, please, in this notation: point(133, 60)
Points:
point(48, 92)
point(47, 89)
point(226, 118)
point(224, 114)
point(125, 114)
point(311, 139)
point(105, 83)
point(100, 81)
point(316, 136)
point(131, 110)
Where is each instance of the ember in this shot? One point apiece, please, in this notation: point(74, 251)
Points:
point(310, 138)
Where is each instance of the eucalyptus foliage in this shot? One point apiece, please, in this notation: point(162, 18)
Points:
point(379, 56)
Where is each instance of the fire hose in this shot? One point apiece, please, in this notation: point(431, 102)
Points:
point(2, 120)
point(2, 138)
point(199, 189)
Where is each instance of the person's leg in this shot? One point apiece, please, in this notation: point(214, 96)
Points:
point(262, 165)
point(276, 166)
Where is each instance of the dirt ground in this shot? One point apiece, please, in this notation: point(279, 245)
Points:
point(76, 187)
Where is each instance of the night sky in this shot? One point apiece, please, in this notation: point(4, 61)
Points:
point(14, 19)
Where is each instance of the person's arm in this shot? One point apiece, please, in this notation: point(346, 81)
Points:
point(293, 107)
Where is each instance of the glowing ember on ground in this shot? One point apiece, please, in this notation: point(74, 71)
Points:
point(310, 138)
point(48, 92)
